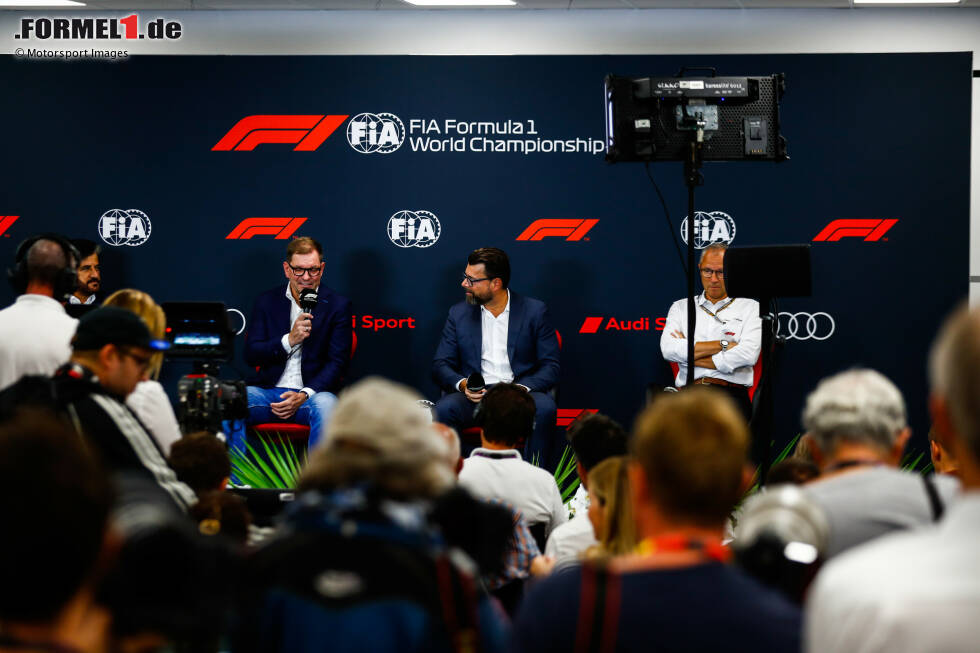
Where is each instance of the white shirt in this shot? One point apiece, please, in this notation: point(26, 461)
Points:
point(292, 375)
point(152, 406)
point(494, 361)
point(735, 320)
point(914, 591)
point(493, 474)
point(569, 541)
point(35, 337)
point(75, 300)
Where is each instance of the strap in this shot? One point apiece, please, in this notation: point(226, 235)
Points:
point(599, 606)
point(459, 607)
point(935, 502)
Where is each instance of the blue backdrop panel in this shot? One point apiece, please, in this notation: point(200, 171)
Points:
point(879, 137)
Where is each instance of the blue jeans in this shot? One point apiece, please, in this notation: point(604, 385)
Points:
point(314, 412)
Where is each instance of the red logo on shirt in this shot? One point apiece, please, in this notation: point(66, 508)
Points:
point(5, 222)
point(308, 132)
point(281, 228)
point(871, 230)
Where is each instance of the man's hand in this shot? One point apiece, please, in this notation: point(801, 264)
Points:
point(676, 333)
point(542, 565)
point(291, 401)
point(709, 348)
point(301, 329)
point(475, 397)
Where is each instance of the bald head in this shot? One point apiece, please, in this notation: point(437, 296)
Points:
point(45, 260)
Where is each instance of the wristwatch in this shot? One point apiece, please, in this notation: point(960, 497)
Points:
point(724, 345)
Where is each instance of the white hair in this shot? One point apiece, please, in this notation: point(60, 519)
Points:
point(378, 435)
point(954, 373)
point(858, 405)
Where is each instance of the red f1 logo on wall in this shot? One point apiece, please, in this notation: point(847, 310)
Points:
point(308, 132)
point(281, 228)
point(5, 222)
point(568, 415)
point(569, 228)
point(870, 229)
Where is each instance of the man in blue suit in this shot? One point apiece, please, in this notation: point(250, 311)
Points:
point(505, 337)
point(301, 358)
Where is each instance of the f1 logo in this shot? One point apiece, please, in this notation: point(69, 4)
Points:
point(870, 229)
point(281, 228)
point(6, 221)
point(569, 228)
point(568, 415)
point(308, 132)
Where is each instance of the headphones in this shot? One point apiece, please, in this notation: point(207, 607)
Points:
point(66, 280)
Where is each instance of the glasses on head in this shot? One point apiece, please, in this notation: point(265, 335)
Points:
point(469, 281)
point(707, 272)
point(313, 272)
point(141, 359)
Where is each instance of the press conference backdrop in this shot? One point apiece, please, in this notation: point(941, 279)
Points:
point(402, 165)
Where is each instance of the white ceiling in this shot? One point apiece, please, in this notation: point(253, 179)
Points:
point(382, 5)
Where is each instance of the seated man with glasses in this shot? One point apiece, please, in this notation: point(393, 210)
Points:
point(505, 337)
point(301, 358)
point(727, 334)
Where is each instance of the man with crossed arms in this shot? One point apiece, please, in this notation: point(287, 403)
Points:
point(727, 334)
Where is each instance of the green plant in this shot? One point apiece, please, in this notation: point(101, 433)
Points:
point(276, 465)
point(783, 455)
point(566, 475)
point(910, 464)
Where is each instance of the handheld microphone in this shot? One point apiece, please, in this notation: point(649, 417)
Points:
point(475, 382)
point(307, 300)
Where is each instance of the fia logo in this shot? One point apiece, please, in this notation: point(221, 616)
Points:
point(370, 133)
point(414, 229)
point(124, 227)
point(710, 227)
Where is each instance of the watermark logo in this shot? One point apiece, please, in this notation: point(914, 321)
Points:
point(5, 222)
point(872, 230)
point(414, 229)
point(100, 29)
point(568, 228)
point(375, 133)
point(119, 227)
point(806, 326)
point(307, 131)
point(281, 228)
point(710, 227)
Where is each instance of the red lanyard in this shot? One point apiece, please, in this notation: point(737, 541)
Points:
point(711, 549)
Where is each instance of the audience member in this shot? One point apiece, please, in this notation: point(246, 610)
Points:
point(942, 460)
point(357, 564)
point(496, 471)
point(88, 281)
point(222, 513)
point(674, 593)
point(35, 331)
point(149, 400)
point(55, 501)
point(593, 438)
point(201, 461)
point(856, 424)
point(918, 591)
point(111, 351)
point(795, 471)
point(610, 510)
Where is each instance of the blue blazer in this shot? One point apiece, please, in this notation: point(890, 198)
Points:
point(532, 345)
point(326, 353)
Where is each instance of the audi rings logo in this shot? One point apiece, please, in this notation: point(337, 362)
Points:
point(370, 133)
point(806, 326)
point(710, 227)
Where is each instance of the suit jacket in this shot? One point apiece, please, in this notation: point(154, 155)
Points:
point(326, 353)
point(532, 345)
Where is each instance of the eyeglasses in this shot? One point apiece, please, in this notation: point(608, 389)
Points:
point(313, 272)
point(707, 272)
point(469, 281)
point(141, 360)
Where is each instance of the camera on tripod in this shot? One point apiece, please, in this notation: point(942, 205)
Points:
point(199, 331)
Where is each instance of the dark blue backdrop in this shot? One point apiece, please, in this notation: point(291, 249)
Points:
point(870, 136)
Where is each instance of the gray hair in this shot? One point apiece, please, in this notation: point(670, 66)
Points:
point(954, 373)
point(858, 405)
point(717, 246)
point(378, 435)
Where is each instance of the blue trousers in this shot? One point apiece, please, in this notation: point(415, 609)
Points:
point(456, 410)
point(314, 412)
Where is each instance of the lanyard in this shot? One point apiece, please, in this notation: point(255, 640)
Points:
point(713, 550)
point(715, 314)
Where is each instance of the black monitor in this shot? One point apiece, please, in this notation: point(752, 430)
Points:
point(198, 330)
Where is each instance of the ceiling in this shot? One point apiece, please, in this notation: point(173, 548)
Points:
point(522, 5)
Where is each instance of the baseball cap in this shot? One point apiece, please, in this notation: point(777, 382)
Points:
point(113, 326)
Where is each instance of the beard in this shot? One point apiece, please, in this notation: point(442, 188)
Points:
point(475, 300)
